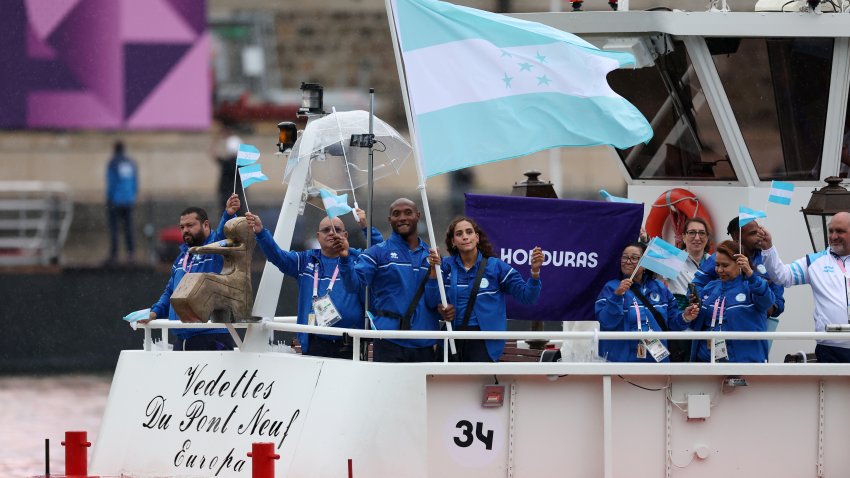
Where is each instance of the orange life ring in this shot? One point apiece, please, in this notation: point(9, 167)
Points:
point(679, 205)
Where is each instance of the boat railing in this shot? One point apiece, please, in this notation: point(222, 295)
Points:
point(288, 324)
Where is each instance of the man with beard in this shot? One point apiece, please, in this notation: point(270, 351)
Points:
point(396, 272)
point(826, 272)
point(195, 227)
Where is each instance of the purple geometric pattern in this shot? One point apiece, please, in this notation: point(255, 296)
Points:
point(111, 64)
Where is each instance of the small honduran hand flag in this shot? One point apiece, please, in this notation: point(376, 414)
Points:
point(252, 174)
point(781, 192)
point(663, 258)
point(137, 315)
point(611, 198)
point(335, 205)
point(747, 215)
point(248, 154)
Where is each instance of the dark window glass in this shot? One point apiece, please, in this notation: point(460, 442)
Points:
point(686, 143)
point(778, 89)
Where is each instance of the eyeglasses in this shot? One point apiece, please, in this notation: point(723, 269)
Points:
point(328, 229)
point(694, 233)
point(627, 259)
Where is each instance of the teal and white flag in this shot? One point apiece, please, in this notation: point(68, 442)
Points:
point(484, 87)
point(663, 258)
point(137, 315)
point(252, 174)
point(611, 198)
point(335, 205)
point(747, 215)
point(781, 192)
point(248, 154)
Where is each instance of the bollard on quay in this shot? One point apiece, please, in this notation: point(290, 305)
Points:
point(262, 460)
point(76, 457)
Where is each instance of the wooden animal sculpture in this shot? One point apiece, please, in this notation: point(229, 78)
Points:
point(224, 297)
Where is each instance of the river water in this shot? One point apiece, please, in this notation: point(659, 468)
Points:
point(35, 408)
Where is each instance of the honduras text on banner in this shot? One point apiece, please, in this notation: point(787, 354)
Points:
point(484, 87)
point(581, 240)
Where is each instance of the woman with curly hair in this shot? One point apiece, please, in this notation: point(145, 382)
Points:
point(471, 267)
point(736, 302)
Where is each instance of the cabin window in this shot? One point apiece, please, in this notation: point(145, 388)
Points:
point(686, 143)
point(778, 89)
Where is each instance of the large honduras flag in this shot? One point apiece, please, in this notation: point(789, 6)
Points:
point(484, 87)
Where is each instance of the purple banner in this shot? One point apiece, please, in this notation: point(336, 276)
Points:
point(581, 240)
point(110, 64)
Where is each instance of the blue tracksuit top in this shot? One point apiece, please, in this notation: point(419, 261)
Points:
point(617, 314)
point(489, 311)
point(747, 301)
point(706, 274)
point(301, 266)
point(393, 273)
point(121, 181)
point(195, 263)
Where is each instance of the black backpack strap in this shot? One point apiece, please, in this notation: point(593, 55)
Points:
point(404, 320)
point(473, 294)
point(661, 322)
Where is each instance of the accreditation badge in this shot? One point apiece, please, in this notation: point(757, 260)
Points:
point(325, 311)
point(657, 349)
point(641, 350)
point(719, 350)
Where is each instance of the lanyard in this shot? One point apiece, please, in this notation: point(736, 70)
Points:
point(316, 281)
point(186, 261)
point(637, 314)
point(714, 314)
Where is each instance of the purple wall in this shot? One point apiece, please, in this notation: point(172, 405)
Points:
point(110, 64)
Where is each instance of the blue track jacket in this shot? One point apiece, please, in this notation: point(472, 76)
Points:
point(747, 301)
point(393, 273)
point(489, 311)
point(706, 274)
point(196, 263)
point(617, 314)
point(121, 181)
point(301, 266)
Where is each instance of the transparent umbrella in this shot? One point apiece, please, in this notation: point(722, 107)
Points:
point(326, 143)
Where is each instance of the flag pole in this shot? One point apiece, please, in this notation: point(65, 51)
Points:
point(235, 173)
point(370, 193)
point(417, 157)
point(740, 239)
point(637, 266)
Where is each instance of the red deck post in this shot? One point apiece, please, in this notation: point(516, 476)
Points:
point(76, 458)
point(262, 460)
